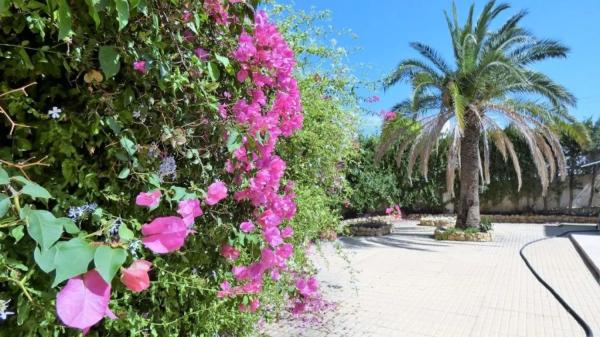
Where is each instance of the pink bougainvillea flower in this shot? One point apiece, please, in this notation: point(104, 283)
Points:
point(165, 234)
point(269, 219)
point(307, 287)
point(388, 115)
point(225, 290)
point(287, 232)
point(273, 236)
point(83, 301)
point(242, 75)
point(201, 54)
point(189, 210)
point(389, 210)
point(284, 251)
point(247, 226)
point(148, 199)
point(229, 252)
point(188, 35)
point(217, 191)
point(251, 307)
point(140, 66)
point(136, 278)
point(186, 16)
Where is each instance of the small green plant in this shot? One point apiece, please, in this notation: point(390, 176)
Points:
point(486, 224)
point(472, 230)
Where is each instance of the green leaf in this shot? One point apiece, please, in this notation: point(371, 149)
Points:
point(4, 179)
point(124, 173)
point(4, 204)
point(93, 12)
point(213, 71)
point(4, 7)
point(110, 61)
point(223, 60)
point(45, 258)
point(122, 7)
point(234, 141)
point(68, 224)
point(154, 180)
point(128, 145)
point(64, 20)
point(125, 234)
point(35, 191)
point(108, 261)
point(72, 258)
point(17, 233)
point(43, 228)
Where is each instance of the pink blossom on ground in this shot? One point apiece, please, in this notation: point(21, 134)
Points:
point(148, 199)
point(83, 301)
point(135, 277)
point(307, 287)
point(217, 191)
point(165, 234)
point(229, 252)
point(140, 66)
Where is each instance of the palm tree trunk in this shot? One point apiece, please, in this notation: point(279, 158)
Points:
point(468, 203)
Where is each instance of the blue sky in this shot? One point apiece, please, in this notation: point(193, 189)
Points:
point(386, 27)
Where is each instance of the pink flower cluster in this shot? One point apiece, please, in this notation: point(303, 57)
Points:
point(388, 115)
point(268, 62)
point(372, 99)
point(394, 210)
point(217, 11)
point(83, 302)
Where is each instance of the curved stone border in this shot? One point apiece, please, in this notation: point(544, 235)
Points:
point(369, 226)
point(516, 218)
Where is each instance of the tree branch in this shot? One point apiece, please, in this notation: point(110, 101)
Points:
point(13, 124)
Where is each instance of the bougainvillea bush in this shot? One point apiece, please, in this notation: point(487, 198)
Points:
point(141, 192)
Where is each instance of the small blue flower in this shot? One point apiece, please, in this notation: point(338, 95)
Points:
point(54, 113)
point(114, 228)
point(4, 313)
point(133, 247)
point(168, 167)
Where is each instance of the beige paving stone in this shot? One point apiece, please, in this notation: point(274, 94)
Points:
point(408, 284)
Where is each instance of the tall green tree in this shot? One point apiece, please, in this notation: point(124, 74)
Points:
point(490, 82)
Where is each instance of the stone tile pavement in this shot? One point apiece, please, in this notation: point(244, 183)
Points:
point(409, 285)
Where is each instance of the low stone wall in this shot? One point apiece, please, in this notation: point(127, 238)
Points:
point(526, 218)
point(438, 221)
point(462, 236)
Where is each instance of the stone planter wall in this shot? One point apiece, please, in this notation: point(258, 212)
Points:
point(369, 226)
point(438, 221)
point(525, 218)
point(462, 236)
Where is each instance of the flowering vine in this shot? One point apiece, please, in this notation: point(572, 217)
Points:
point(269, 109)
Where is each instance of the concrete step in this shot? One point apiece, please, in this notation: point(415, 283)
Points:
point(588, 245)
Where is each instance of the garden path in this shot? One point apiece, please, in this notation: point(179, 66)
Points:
point(409, 285)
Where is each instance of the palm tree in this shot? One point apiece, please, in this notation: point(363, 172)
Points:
point(490, 85)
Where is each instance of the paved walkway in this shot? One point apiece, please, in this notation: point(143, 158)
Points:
point(409, 285)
